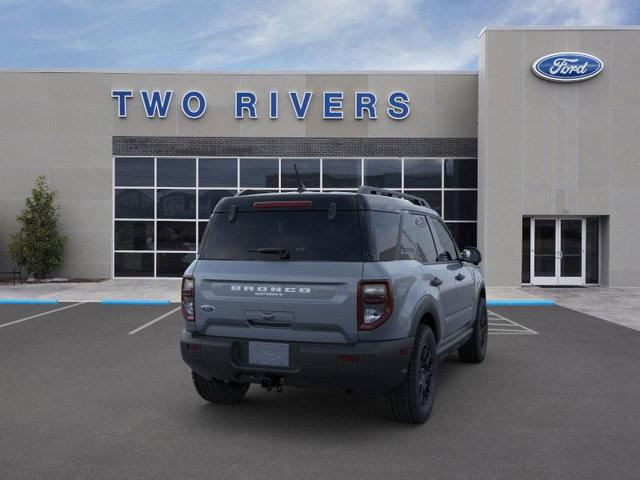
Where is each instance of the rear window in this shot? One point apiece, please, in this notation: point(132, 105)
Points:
point(306, 235)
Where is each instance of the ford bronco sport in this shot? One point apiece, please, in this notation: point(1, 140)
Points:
point(361, 291)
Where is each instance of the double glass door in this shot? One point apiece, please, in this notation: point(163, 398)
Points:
point(558, 251)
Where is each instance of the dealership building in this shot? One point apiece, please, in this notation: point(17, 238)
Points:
point(534, 158)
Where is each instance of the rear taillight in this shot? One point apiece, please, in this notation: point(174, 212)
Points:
point(188, 305)
point(375, 303)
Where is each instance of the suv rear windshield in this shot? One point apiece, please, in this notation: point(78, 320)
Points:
point(301, 235)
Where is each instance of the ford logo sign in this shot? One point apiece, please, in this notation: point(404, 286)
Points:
point(567, 66)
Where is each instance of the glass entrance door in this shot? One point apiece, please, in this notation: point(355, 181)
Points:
point(558, 251)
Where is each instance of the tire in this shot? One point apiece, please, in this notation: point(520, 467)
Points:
point(217, 391)
point(412, 401)
point(475, 349)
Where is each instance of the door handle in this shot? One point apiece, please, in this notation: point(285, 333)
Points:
point(460, 277)
point(436, 282)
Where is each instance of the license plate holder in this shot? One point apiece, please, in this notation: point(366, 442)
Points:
point(268, 353)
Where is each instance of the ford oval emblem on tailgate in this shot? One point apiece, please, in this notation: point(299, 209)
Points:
point(567, 66)
point(207, 308)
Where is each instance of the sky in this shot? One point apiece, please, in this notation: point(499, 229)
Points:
point(277, 35)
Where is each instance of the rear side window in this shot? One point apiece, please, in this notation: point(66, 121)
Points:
point(382, 234)
point(448, 250)
point(425, 245)
point(306, 235)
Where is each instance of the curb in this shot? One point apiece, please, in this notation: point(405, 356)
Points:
point(520, 303)
point(115, 301)
point(28, 301)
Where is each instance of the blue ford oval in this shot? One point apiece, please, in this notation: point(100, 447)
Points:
point(567, 66)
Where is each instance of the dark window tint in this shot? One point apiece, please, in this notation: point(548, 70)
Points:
point(176, 204)
point(306, 235)
point(593, 240)
point(134, 203)
point(424, 241)
point(133, 236)
point(460, 205)
point(176, 235)
point(176, 172)
point(382, 235)
point(201, 228)
point(526, 250)
point(309, 169)
point(259, 172)
point(407, 248)
point(447, 250)
point(340, 173)
point(218, 172)
point(465, 234)
point(134, 172)
point(133, 264)
point(173, 264)
point(382, 173)
point(460, 173)
point(433, 198)
point(208, 199)
point(422, 173)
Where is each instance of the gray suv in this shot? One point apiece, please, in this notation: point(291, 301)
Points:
point(361, 291)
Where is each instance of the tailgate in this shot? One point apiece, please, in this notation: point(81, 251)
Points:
point(285, 301)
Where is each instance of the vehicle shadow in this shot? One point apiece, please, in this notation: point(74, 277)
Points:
point(315, 410)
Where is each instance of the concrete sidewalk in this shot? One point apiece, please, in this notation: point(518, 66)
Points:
point(617, 305)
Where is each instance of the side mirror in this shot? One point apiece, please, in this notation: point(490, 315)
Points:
point(471, 255)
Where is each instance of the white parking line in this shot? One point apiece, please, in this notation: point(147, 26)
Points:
point(165, 315)
point(39, 315)
point(499, 325)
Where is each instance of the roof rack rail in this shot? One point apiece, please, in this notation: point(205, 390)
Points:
point(383, 192)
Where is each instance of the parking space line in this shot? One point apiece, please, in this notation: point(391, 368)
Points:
point(500, 325)
point(40, 314)
point(165, 315)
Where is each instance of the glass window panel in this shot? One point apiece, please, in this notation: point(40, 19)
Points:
point(465, 234)
point(422, 173)
point(134, 172)
point(176, 236)
point(460, 205)
point(133, 236)
point(309, 169)
point(544, 261)
point(208, 199)
point(218, 172)
point(176, 203)
point(382, 235)
point(201, 227)
point(526, 250)
point(593, 240)
point(382, 172)
point(133, 264)
point(448, 250)
point(433, 198)
point(460, 173)
point(134, 203)
point(571, 248)
point(427, 252)
point(173, 264)
point(176, 172)
point(259, 172)
point(340, 173)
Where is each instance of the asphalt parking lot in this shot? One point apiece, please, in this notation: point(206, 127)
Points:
point(85, 392)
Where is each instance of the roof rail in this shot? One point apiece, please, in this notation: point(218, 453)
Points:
point(383, 192)
point(248, 191)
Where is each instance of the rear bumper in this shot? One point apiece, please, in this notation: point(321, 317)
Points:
point(371, 367)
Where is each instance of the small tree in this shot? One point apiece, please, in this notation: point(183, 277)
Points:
point(38, 246)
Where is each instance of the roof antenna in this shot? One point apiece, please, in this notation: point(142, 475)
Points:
point(301, 187)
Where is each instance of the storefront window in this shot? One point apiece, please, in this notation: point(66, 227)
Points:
point(161, 204)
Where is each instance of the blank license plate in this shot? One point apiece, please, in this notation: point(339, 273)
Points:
point(273, 354)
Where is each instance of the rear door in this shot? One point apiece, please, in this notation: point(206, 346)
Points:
point(438, 278)
point(287, 274)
